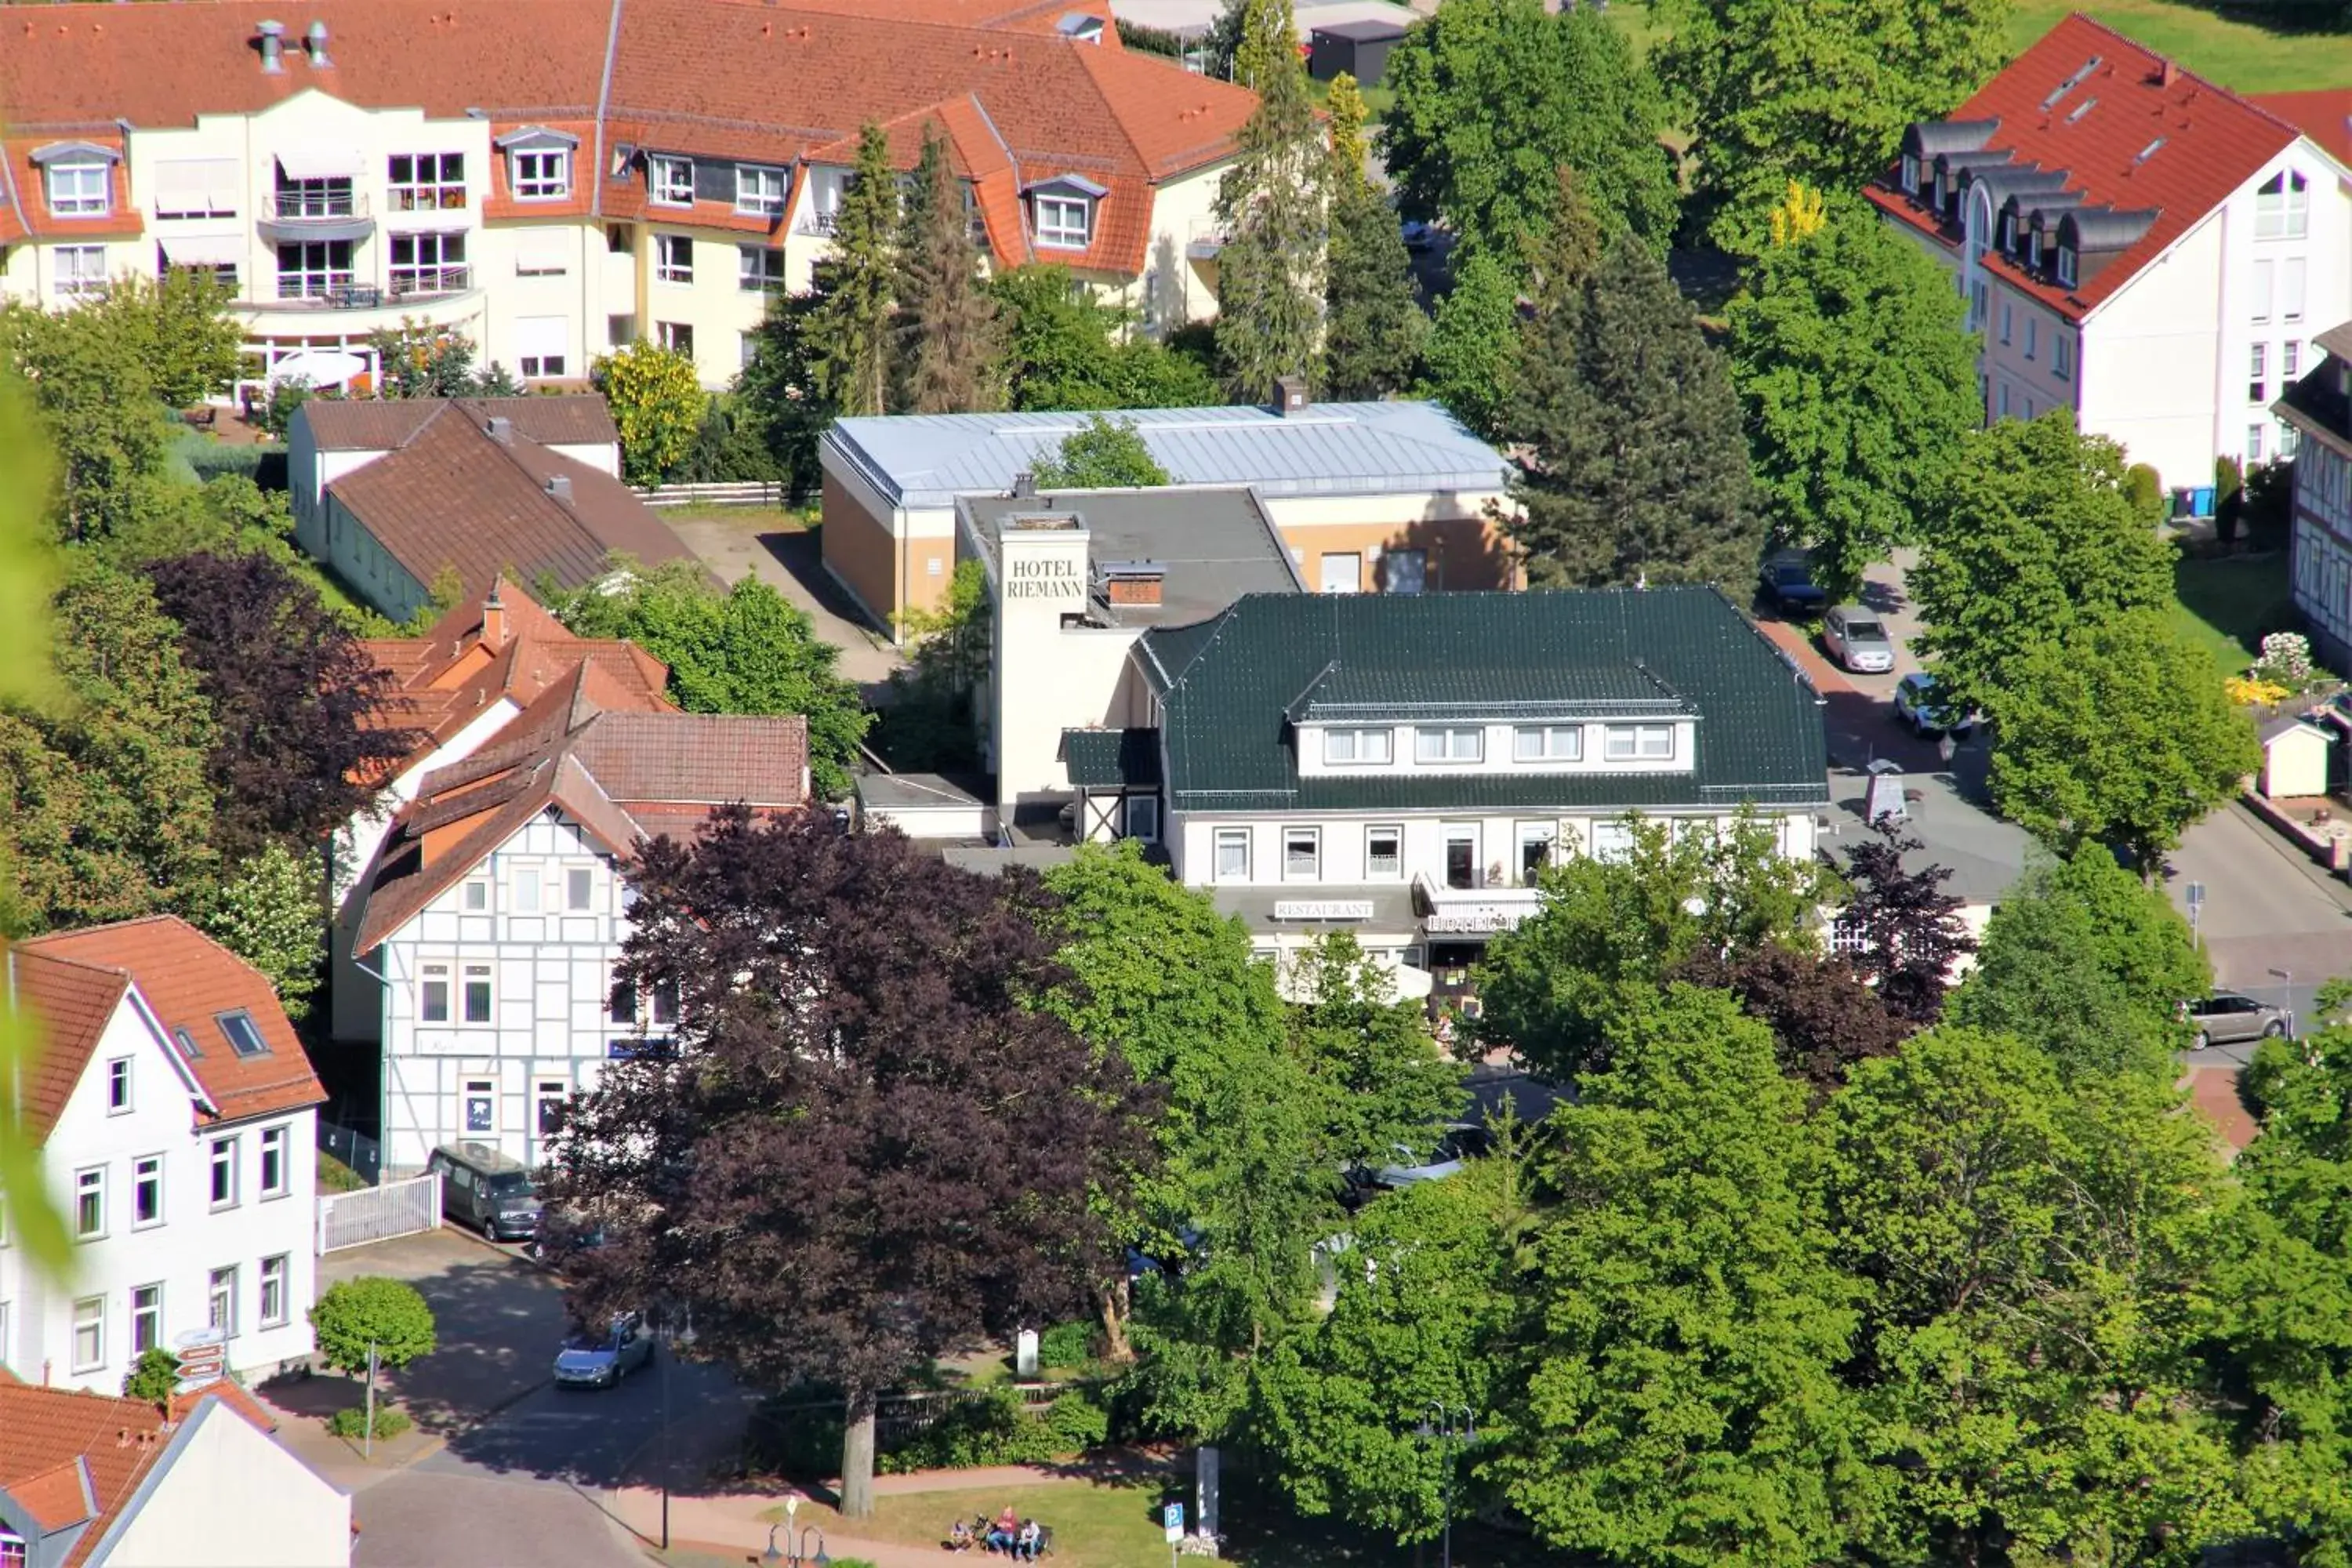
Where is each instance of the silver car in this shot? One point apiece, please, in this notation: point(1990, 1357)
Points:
point(593, 1360)
point(1857, 639)
point(2226, 1018)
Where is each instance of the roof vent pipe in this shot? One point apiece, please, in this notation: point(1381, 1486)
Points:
point(560, 486)
point(273, 45)
point(1024, 483)
point(500, 428)
point(315, 43)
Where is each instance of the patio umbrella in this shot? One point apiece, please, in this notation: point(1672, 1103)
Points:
point(319, 367)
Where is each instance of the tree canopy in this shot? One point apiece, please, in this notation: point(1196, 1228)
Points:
point(1101, 454)
point(1273, 203)
point(389, 1317)
point(949, 336)
point(657, 405)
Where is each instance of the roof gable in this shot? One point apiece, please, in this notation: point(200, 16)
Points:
point(73, 1003)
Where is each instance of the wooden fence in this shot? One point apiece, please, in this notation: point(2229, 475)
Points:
point(736, 492)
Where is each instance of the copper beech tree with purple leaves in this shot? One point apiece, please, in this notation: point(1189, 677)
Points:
point(863, 1147)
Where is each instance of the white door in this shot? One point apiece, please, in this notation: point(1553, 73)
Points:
point(1343, 572)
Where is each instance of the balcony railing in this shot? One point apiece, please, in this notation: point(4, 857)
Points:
point(426, 282)
point(340, 291)
point(313, 206)
point(818, 223)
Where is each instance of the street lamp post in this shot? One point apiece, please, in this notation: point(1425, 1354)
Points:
point(1453, 1427)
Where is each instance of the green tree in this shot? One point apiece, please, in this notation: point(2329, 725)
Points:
point(847, 332)
point(1859, 383)
point(1609, 930)
point(2120, 735)
point(1345, 115)
point(1638, 469)
point(96, 393)
point(179, 326)
point(1101, 454)
point(2033, 542)
point(656, 403)
point(1490, 97)
point(1472, 351)
point(951, 344)
point(782, 409)
point(928, 725)
point(370, 1323)
point(1372, 322)
point(1562, 259)
point(1775, 90)
point(746, 649)
point(1384, 1083)
point(152, 1377)
point(1273, 203)
point(1067, 351)
point(270, 911)
point(1682, 1405)
point(420, 359)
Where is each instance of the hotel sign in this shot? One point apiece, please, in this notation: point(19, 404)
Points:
point(1323, 909)
point(1044, 578)
point(1474, 920)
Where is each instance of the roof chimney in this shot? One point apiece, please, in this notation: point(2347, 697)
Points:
point(1290, 394)
point(560, 487)
point(273, 45)
point(1136, 583)
point(500, 429)
point(1024, 483)
point(2167, 73)
point(494, 618)
point(314, 42)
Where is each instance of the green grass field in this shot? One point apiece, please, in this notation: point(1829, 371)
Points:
point(1095, 1525)
point(2228, 605)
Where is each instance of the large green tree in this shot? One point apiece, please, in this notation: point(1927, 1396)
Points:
point(784, 408)
point(1472, 347)
point(2033, 542)
point(1101, 454)
point(271, 913)
point(1638, 469)
point(657, 406)
point(1272, 203)
point(1774, 90)
point(949, 340)
point(105, 420)
point(1491, 96)
point(1369, 1052)
point(1372, 322)
point(846, 334)
point(2121, 734)
point(1859, 383)
point(1067, 351)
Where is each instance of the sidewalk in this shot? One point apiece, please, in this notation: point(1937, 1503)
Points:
point(731, 1522)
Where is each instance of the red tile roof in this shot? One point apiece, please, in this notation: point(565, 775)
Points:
point(2325, 117)
point(2132, 131)
point(72, 1003)
point(189, 981)
point(365, 424)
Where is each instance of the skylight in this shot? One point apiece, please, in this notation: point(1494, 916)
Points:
point(2145, 154)
point(244, 1036)
point(187, 1044)
point(2082, 109)
point(2070, 83)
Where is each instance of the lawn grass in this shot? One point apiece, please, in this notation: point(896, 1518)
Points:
point(1096, 1524)
point(2228, 605)
point(765, 519)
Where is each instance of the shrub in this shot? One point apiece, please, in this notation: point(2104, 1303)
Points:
point(2285, 661)
point(994, 1430)
point(212, 460)
point(1076, 1421)
point(152, 1377)
point(2229, 504)
point(353, 1422)
point(1066, 1344)
point(2145, 488)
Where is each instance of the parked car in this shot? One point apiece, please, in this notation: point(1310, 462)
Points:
point(1419, 236)
point(1461, 1141)
point(2226, 1018)
point(1786, 582)
point(1857, 639)
point(1916, 704)
point(486, 1189)
point(593, 1360)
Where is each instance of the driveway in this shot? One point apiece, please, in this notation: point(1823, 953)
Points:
point(1859, 710)
point(734, 542)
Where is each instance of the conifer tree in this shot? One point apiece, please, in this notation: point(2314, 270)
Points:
point(1373, 325)
point(1562, 256)
point(848, 334)
point(1472, 345)
point(949, 340)
point(1272, 206)
point(1639, 470)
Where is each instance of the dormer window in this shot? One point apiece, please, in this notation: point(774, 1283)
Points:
point(1358, 747)
point(538, 162)
point(1910, 174)
point(2066, 264)
point(78, 190)
point(2034, 257)
point(2282, 207)
point(1062, 211)
point(2009, 234)
point(671, 180)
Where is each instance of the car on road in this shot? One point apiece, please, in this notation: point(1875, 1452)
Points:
point(1459, 1141)
point(2227, 1018)
point(1858, 640)
point(1916, 704)
point(1786, 584)
point(593, 1360)
point(1418, 236)
point(486, 1189)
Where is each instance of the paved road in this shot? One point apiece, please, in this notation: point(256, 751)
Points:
point(732, 545)
point(2275, 924)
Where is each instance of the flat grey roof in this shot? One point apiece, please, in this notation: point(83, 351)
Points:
point(900, 792)
point(1325, 449)
point(1215, 545)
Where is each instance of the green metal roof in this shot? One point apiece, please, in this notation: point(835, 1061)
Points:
point(1230, 686)
point(1112, 759)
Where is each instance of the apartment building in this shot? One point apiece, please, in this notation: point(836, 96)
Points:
point(2319, 409)
point(555, 179)
point(2136, 244)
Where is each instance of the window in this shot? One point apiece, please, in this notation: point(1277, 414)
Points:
point(1302, 854)
point(1405, 571)
point(2282, 207)
point(1233, 854)
point(1139, 816)
point(197, 188)
point(2062, 356)
point(429, 264)
point(550, 1108)
point(2290, 359)
point(1342, 572)
point(1534, 850)
point(2291, 289)
point(89, 1203)
point(2006, 310)
point(433, 994)
point(671, 180)
point(1462, 744)
point(2290, 441)
point(544, 346)
point(1612, 840)
point(1639, 742)
point(313, 268)
point(675, 336)
point(187, 1044)
point(1461, 856)
point(481, 1106)
point(543, 177)
point(524, 889)
point(620, 239)
point(2009, 234)
point(78, 190)
point(81, 268)
point(673, 258)
point(220, 1310)
point(2256, 360)
point(322, 199)
point(2034, 251)
point(747, 348)
point(474, 897)
point(146, 1318)
point(2004, 400)
point(244, 1036)
point(224, 1164)
point(1375, 746)
point(2264, 273)
point(478, 993)
point(2066, 264)
point(1064, 222)
point(118, 1085)
point(273, 1291)
point(579, 888)
point(758, 190)
point(2254, 442)
point(2033, 336)
point(621, 1003)
point(758, 268)
point(146, 1191)
point(662, 1001)
point(90, 1333)
point(1911, 173)
point(1547, 743)
point(426, 182)
point(274, 1173)
point(1384, 853)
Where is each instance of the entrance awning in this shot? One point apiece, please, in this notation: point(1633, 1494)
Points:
point(326, 163)
point(203, 249)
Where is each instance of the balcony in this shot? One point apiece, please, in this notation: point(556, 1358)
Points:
point(341, 291)
point(430, 282)
point(1472, 912)
point(1206, 240)
point(817, 223)
point(313, 206)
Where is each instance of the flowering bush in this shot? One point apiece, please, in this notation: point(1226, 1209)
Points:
point(2285, 661)
point(2252, 691)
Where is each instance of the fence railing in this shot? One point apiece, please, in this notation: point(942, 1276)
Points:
point(896, 1413)
point(362, 1153)
point(732, 492)
point(379, 1213)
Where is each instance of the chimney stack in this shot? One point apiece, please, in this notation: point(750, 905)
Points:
point(494, 618)
point(2167, 73)
point(273, 47)
point(1290, 394)
point(500, 429)
point(560, 487)
point(1024, 483)
point(1134, 583)
point(314, 43)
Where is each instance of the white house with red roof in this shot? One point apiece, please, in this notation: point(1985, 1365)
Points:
point(2136, 244)
point(175, 1115)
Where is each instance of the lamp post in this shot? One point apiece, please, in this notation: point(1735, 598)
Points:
point(1453, 1427)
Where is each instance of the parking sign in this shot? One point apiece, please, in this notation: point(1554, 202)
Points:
point(1171, 1519)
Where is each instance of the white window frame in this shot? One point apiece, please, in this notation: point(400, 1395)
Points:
point(431, 261)
point(485, 1090)
point(150, 1313)
point(1553, 743)
point(759, 268)
point(1544, 833)
point(2062, 355)
point(84, 188)
point(2033, 336)
point(669, 180)
point(2066, 266)
point(147, 1173)
point(89, 1184)
point(89, 1316)
point(527, 888)
point(1220, 840)
point(673, 258)
point(1138, 818)
point(220, 1300)
point(117, 1087)
point(579, 889)
point(1064, 222)
point(219, 1157)
point(1610, 840)
point(2284, 213)
point(431, 1008)
point(2258, 359)
point(2254, 441)
point(80, 276)
point(550, 1091)
point(1394, 872)
point(1448, 738)
point(486, 975)
point(277, 1149)
point(474, 896)
point(1312, 838)
point(675, 336)
point(1355, 747)
point(421, 193)
point(2290, 360)
point(1639, 743)
point(756, 179)
point(277, 1278)
point(540, 174)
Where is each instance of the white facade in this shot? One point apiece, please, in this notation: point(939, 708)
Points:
point(225, 1496)
point(154, 1255)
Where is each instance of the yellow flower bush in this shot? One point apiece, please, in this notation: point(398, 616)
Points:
point(2249, 691)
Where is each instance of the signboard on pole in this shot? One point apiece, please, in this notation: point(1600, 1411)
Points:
point(1171, 1520)
point(203, 1355)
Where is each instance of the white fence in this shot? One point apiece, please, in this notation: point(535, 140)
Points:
point(379, 1213)
point(740, 492)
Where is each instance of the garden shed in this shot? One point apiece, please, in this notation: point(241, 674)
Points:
point(2294, 758)
point(1360, 47)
